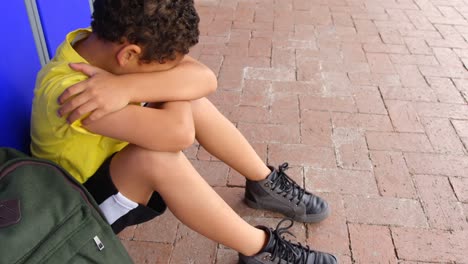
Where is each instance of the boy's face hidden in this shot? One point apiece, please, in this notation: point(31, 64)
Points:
point(128, 61)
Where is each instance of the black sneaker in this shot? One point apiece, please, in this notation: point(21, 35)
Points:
point(281, 251)
point(279, 193)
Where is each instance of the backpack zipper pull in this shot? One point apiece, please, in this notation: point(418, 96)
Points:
point(99, 244)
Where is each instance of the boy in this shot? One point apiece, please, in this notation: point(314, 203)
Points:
point(130, 157)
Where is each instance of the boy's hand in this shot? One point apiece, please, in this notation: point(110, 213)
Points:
point(101, 94)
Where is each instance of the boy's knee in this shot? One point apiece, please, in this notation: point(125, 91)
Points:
point(201, 105)
point(186, 136)
point(188, 141)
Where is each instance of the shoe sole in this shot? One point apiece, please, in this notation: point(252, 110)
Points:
point(304, 219)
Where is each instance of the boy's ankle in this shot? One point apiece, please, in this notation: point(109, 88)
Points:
point(265, 234)
point(267, 240)
point(262, 174)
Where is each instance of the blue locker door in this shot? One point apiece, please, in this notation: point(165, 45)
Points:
point(58, 17)
point(18, 68)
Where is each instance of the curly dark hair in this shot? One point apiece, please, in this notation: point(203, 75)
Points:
point(161, 27)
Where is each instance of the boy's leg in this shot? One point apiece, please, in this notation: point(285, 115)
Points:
point(224, 141)
point(266, 188)
point(136, 172)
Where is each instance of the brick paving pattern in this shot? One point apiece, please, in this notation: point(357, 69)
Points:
point(367, 101)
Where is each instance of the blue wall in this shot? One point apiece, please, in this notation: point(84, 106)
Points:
point(20, 60)
point(60, 17)
point(18, 68)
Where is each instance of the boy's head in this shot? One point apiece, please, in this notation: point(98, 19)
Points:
point(159, 30)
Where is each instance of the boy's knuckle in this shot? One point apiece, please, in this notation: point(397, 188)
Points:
point(66, 93)
point(75, 104)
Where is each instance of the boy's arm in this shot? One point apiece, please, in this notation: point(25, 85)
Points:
point(189, 80)
point(169, 128)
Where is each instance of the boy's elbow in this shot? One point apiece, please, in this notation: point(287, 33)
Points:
point(206, 77)
point(212, 82)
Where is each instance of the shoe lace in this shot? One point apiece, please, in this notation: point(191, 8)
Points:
point(287, 185)
point(285, 249)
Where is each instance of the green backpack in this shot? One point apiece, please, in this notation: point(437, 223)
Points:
point(48, 217)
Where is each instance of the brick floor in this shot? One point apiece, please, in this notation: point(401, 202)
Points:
point(367, 101)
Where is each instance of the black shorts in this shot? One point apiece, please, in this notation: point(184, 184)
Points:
point(101, 187)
